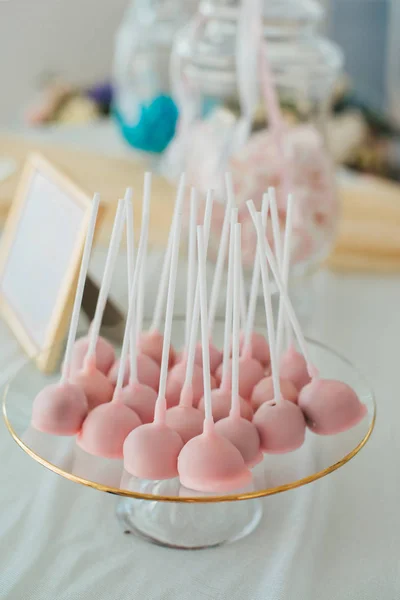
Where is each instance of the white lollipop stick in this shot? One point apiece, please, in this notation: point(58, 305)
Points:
point(276, 231)
point(255, 284)
point(207, 216)
point(282, 317)
point(268, 307)
point(229, 303)
point(138, 285)
point(142, 276)
point(191, 352)
point(223, 246)
point(196, 306)
point(79, 289)
point(208, 421)
point(106, 282)
point(191, 272)
point(266, 251)
point(130, 236)
point(161, 403)
point(163, 285)
point(127, 343)
point(130, 252)
point(235, 403)
point(243, 303)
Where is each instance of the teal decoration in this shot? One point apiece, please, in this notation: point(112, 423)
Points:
point(155, 126)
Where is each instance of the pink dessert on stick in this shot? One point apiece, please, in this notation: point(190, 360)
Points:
point(242, 433)
point(96, 385)
point(191, 277)
point(107, 426)
point(177, 375)
point(342, 408)
point(105, 354)
point(221, 397)
point(151, 450)
point(292, 363)
point(209, 462)
point(147, 370)
point(215, 354)
point(280, 423)
point(151, 341)
point(251, 370)
point(136, 394)
point(330, 406)
point(60, 409)
point(255, 344)
point(185, 419)
point(264, 390)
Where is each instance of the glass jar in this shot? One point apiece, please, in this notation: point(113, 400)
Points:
point(256, 106)
point(143, 107)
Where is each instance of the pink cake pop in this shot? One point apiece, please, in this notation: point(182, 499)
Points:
point(147, 370)
point(280, 423)
point(250, 373)
point(259, 347)
point(293, 367)
point(107, 426)
point(254, 344)
point(343, 408)
point(60, 409)
point(151, 342)
point(292, 364)
point(137, 395)
point(151, 451)
point(191, 265)
point(95, 384)
point(215, 354)
point(264, 392)
point(185, 419)
point(222, 397)
point(250, 370)
point(266, 249)
point(330, 406)
point(210, 462)
point(177, 375)
point(105, 354)
point(215, 358)
point(242, 433)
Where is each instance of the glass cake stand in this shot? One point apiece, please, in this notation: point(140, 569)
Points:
point(166, 513)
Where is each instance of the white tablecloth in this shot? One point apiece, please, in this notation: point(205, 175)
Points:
point(336, 539)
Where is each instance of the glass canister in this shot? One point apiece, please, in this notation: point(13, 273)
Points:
point(253, 82)
point(142, 106)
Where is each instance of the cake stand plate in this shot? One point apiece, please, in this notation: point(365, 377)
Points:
point(166, 513)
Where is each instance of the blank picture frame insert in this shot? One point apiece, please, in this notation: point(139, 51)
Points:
point(40, 254)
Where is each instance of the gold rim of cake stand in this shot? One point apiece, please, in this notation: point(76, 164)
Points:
point(197, 499)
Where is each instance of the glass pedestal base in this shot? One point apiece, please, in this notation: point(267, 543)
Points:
point(189, 526)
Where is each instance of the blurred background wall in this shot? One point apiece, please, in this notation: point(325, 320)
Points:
point(369, 33)
point(73, 38)
point(56, 37)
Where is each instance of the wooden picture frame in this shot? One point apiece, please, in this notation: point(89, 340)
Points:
point(42, 245)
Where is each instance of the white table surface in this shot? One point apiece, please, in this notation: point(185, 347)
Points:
point(336, 539)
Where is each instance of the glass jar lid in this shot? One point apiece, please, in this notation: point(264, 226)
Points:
point(297, 54)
